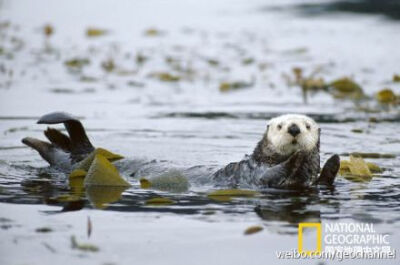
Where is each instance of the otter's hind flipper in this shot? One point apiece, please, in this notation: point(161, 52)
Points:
point(45, 149)
point(329, 171)
point(78, 142)
point(58, 139)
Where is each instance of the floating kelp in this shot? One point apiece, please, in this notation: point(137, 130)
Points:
point(213, 62)
point(101, 196)
point(369, 155)
point(247, 61)
point(253, 229)
point(152, 32)
point(165, 76)
point(95, 32)
point(140, 58)
point(308, 84)
point(103, 173)
point(356, 130)
point(233, 193)
point(236, 85)
point(87, 162)
point(346, 88)
point(108, 65)
point(61, 90)
point(48, 30)
point(374, 168)
point(359, 167)
point(77, 63)
point(82, 246)
point(159, 201)
point(386, 96)
point(145, 184)
point(76, 181)
point(357, 170)
point(171, 180)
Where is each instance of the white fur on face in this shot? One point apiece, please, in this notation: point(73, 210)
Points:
point(283, 142)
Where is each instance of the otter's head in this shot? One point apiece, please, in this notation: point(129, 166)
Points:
point(292, 132)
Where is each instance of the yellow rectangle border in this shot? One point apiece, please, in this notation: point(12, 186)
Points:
point(300, 238)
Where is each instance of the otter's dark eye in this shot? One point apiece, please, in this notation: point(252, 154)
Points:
point(308, 126)
point(279, 126)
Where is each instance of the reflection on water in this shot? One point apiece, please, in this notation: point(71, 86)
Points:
point(285, 207)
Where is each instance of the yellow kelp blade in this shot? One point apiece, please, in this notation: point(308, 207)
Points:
point(103, 173)
point(87, 162)
point(145, 183)
point(100, 196)
point(234, 192)
point(345, 169)
point(356, 169)
point(76, 180)
point(226, 195)
point(159, 201)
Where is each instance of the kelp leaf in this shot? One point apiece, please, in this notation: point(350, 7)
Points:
point(145, 183)
point(77, 62)
point(48, 30)
point(358, 167)
point(101, 196)
point(103, 173)
point(159, 201)
point(374, 168)
point(151, 32)
point(370, 155)
point(95, 32)
point(234, 192)
point(166, 77)
point(76, 180)
point(77, 173)
point(355, 169)
point(345, 168)
point(253, 229)
point(346, 88)
point(236, 85)
point(87, 162)
point(386, 96)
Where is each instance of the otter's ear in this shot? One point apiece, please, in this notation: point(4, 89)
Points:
point(319, 138)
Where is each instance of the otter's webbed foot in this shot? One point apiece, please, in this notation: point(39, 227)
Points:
point(329, 171)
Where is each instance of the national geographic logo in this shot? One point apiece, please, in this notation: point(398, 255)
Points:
point(318, 248)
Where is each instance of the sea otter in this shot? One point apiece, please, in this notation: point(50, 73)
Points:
point(287, 156)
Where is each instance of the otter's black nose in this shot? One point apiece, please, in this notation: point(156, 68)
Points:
point(294, 130)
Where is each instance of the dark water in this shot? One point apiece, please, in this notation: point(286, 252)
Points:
point(387, 8)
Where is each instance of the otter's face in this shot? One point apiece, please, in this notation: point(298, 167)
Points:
point(292, 132)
